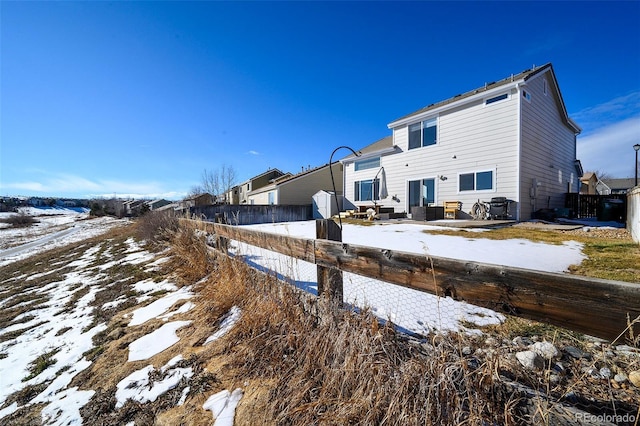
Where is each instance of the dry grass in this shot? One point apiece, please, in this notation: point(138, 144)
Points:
point(315, 363)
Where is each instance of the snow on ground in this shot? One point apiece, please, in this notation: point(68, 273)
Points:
point(156, 341)
point(409, 237)
point(55, 228)
point(160, 306)
point(223, 406)
point(227, 324)
point(413, 310)
point(137, 386)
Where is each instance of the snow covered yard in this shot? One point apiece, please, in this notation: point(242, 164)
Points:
point(413, 310)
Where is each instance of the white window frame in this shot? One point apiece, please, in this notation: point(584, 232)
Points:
point(421, 122)
point(526, 95)
point(494, 181)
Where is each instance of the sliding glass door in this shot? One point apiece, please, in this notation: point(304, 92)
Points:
point(422, 192)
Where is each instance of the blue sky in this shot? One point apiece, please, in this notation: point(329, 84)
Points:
point(139, 98)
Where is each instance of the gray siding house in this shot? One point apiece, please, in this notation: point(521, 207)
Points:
point(511, 138)
point(300, 188)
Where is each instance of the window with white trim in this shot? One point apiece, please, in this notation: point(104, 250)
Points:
point(424, 133)
point(476, 181)
point(367, 190)
point(526, 95)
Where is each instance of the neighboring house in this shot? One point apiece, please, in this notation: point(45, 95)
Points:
point(156, 204)
point(204, 199)
point(300, 188)
point(132, 207)
point(588, 183)
point(511, 138)
point(240, 194)
point(615, 186)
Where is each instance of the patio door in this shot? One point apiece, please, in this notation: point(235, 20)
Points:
point(422, 192)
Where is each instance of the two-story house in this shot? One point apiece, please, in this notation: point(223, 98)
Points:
point(240, 194)
point(511, 138)
point(299, 189)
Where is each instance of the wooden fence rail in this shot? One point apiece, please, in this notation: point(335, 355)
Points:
point(592, 306)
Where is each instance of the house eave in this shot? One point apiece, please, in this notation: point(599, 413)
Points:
point(378, 153)
point(481, 94)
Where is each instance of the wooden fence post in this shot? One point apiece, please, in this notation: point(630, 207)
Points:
point(329, 279)
point(221, 243)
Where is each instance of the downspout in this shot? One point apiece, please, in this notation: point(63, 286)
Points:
point(519, 152)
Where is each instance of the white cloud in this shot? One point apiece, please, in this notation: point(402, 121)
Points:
point(68, 185)
point(592, 119)
point(609, 149)
point(252, 152)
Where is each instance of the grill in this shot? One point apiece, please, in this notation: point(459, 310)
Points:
point(499, 208)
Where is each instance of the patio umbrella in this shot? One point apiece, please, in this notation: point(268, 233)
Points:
point(382, 193)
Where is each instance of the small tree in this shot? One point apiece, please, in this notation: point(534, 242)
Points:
point(217, 182)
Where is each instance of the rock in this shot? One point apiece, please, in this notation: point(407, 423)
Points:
point(620, 378)
point(530, 360)
point(490, 341)
point(521, 342)
point(634, 378)
point(576, 353)
point(605, 373)
point(545, 349)
point(466, 350)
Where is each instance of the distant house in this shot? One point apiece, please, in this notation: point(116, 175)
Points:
point(156, 204)
point(240, 194)
point(511, 138)
point(588, 183)
point(204, 199)
point(615, 186)
point(298, 189)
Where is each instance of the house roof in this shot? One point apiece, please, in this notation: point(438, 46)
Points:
point(589, 176)
point(289, 178)
point(378, 147)
point(512, 80)
point(280, 173)
point(619, 184)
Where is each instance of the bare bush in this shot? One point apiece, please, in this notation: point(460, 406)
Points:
point(190, 255)
point(157, 228)
point(21, 220)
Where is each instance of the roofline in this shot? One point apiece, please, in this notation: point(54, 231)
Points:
point(482, 92)
point(275, 185)
point(380, 152)
point(448, 105)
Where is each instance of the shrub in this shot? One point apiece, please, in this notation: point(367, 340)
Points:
point(21, 220)
point(157, 228)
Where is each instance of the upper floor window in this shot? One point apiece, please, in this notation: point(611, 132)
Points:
point(496, 99)
point(477, 181)
point(424, 133)
point(368, 163)
point(526, 95)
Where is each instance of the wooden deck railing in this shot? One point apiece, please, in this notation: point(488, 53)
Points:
point(592, 306)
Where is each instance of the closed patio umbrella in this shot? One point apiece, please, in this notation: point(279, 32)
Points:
point(382, 193)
